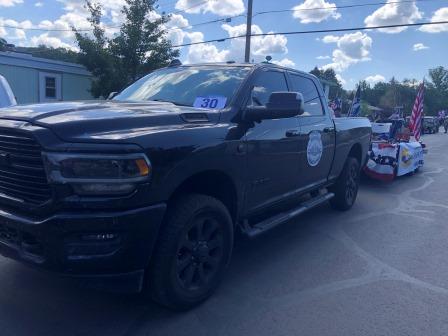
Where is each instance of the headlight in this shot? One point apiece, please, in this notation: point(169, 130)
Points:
point(98, 174)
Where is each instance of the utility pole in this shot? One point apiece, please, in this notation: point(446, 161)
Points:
point(248, 31)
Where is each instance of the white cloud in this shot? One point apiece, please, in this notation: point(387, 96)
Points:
point(375, 79)
point(54, 42)
point(307, 12)
point(15, 24)
point(10, 3)
point(440, 15)
point(175, 26)
point(62, 26)
point(77, 16)
point(79, 6)
point(351, 49)
point(202, 53)
point(323, 57)
point(419, 46)
point(218, 7)
point(340, 79)
point(17, 32)
point(330, 39)
point(177, 21)
point(286, 62)
point(261, 46)
point(394, 13)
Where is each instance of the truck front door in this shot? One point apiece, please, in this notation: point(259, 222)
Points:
point(317, 134)
point(272, 147)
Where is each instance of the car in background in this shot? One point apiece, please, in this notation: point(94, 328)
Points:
point(430, 125)
point(6, 95)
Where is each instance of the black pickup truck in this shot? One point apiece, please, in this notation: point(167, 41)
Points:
point(145, 192)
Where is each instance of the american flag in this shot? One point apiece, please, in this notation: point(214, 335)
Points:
point(336, 104)
point(417, 113)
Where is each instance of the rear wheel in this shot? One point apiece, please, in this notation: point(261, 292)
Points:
point(347, 185)
point(193, 251)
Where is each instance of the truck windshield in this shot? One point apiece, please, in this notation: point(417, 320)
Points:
point(186, 86)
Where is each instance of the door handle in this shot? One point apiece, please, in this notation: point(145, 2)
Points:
point(292, 133)
point(328, 129)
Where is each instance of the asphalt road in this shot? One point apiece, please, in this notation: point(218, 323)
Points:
point(380, 269)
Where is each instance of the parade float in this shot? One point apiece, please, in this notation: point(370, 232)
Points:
point(396, 149)
point(393, 151)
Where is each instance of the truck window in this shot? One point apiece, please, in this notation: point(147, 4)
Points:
point(313, 104)
point(184, 85)
point(264, 84)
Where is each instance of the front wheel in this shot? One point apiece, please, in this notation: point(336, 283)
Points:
point(193, 251)
point(347, 185)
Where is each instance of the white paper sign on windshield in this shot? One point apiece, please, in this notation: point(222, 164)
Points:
point(210, 102)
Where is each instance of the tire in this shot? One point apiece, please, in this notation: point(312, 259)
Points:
point(347, 185)
point(193, 251)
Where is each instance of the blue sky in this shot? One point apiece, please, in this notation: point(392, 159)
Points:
point(406, 53)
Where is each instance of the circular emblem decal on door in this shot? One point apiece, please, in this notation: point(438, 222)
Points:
point(315, 148)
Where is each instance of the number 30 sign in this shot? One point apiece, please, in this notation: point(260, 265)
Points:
point(212, 102)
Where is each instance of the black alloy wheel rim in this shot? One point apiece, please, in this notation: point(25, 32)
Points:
point(200, 253)
point(352, 184)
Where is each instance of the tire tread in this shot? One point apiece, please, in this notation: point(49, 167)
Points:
point(181, 210)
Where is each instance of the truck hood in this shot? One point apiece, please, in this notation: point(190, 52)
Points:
point(107, 120)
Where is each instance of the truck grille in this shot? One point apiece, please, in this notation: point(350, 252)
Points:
point(22, 173)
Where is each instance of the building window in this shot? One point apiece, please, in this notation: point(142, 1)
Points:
point(50, 87)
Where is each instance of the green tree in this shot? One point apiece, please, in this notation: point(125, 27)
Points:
point(330, 75)
point(139, 48)
point(436, 95)
point(439, 78)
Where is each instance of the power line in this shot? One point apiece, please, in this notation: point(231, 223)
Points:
point(42, 29)
point(223, 19)
point(339, 7)
point(117, 27)
point(314, 32)
point(194, 6)
point(166, 3)
point(297, 10)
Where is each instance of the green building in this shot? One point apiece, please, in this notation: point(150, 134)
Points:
point(40, 80)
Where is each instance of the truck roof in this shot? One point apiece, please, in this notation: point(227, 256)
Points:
point(231, 64)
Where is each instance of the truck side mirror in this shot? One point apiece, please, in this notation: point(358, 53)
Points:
point(280, 105)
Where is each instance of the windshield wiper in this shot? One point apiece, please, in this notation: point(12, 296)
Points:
point(166, 101)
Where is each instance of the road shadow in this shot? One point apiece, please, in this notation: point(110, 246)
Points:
point(39, 303)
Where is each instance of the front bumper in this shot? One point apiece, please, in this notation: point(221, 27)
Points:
point(104, 247)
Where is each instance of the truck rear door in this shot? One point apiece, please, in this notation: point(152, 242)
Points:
point(317, 133)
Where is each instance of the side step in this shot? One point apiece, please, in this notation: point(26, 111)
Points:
point(272, 222)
